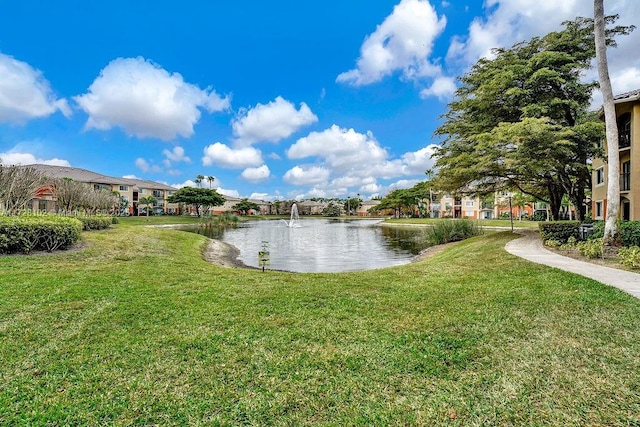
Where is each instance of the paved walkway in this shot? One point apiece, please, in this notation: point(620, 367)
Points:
point(530, 247)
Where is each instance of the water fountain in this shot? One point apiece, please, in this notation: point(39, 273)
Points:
point(295, 218)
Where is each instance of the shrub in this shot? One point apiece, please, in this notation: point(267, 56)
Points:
point(451, 231)
point(95, 222)
point(629, 232)
point(560, 231)
point(630, 256)
point(114, 220)
point(591, 248)
point(27, 233)
point(552, 243)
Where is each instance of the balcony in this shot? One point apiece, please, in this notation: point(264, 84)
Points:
point(624, 140)
point(625, 182)
point(458, 201)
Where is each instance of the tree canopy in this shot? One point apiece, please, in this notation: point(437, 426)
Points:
point(199, 198)
point(520, 120)
point(245, 205)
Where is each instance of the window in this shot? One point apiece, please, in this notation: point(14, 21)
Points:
point(600, 176)
point(468, 203)
point(624, 130)
point(599, 210)
point(124, 188)
point(470, 214)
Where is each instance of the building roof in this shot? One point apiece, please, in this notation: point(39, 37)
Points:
point(83, 175)
point(633, 95)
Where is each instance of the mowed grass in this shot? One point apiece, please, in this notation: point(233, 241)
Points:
point(136, 329)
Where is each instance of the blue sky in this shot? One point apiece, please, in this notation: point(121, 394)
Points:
point(286, 99)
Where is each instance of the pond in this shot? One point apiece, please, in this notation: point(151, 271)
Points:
point(322, 245)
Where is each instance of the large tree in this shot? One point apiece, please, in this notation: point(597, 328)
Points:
point(199, 198)
point(611, 231)
point(245, 206)
point(520, 121)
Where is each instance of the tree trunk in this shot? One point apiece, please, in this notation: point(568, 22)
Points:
point(611, 230)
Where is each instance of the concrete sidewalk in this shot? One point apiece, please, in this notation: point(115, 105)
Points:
point(530, 247)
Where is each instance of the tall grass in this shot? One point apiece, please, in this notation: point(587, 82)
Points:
point(445, 231)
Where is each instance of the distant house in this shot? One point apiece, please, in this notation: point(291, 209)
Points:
point(628, 117)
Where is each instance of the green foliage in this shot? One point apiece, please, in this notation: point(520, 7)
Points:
point(199, 198)
point(520, 120)
point(445, 231)
point(147, 201)
point(560, 231)
point(630, 257)
point(629, 232)
point(553, 243)
point(590, 248)
point(114, 220)
point(95, 222)
point(223, 220)
point(332, 210)
point(539, 216)
point(38, 232)
point(406, 200)
point(351, 205)
point(245, 206)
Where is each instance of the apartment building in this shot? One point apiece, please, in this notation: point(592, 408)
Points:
point(130, 190)
point(628, 118)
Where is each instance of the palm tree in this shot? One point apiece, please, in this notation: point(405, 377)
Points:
point(199, 179)
point(210, 179)
point(611, 231)
point(147, 201)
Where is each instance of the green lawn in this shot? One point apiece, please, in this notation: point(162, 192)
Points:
point(136, 329)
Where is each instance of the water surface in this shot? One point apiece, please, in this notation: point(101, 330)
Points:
point(323, 245)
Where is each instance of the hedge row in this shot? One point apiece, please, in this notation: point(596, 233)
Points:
point(27, 233)
point(629, 232)
point(559, 231)
point(96, 222)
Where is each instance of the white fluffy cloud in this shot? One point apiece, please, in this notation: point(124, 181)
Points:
point(403, 42)
point(341, 149)
point(417, 162)
point(510, 21)
point(271, 122)
point(146, 101)
point(258, 174)
point(176, 155)
point(25, 94)
point(145, 166)
point(306, 175)
point(15, 158)
point(348, 160)
point(442, 87)
point(232, 158)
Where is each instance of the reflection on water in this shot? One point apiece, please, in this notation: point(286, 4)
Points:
point(323, 245)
